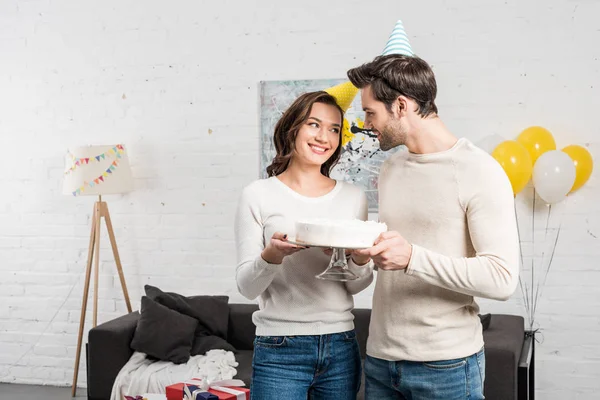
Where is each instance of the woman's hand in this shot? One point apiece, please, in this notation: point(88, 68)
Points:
point(278, 248)
point(357, 258)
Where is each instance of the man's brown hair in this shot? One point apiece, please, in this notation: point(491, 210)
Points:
point(396, 75)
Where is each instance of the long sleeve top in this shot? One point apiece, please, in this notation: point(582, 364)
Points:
point(291, 300)
point(456, 208)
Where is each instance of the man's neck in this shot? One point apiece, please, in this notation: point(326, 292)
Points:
point(430, 135)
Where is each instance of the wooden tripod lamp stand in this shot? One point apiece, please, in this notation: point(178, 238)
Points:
point(97, 171)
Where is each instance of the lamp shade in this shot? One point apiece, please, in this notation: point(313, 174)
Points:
point(97, 170)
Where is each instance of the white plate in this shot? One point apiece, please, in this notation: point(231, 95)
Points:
point(292, 241)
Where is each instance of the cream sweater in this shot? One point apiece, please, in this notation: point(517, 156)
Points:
point(291, 300)
point(457, 209)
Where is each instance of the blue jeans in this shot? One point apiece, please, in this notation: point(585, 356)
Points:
point(320, 367)
point(461, 378)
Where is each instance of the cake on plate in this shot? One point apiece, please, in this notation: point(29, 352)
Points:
point(349, 234)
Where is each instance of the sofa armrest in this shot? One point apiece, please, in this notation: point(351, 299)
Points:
point(526, 352)
point(503, 347)
point(108, 351)
point(527, 369)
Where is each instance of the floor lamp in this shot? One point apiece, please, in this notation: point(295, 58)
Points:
point(97, 171)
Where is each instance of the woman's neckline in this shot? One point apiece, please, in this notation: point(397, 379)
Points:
point(294, 193)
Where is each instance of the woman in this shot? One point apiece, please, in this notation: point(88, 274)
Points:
point(305, 346)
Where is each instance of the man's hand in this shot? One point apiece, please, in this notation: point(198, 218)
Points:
point(278, 248)
point(390, 251)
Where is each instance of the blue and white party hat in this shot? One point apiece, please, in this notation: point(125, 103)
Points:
point(398, 42)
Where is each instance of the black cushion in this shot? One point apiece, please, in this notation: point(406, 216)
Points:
point(202, 344)
point(163, 333)
point(212, 312)
point(244, 368)
point(241, 328)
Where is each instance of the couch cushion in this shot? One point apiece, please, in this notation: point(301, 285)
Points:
point(244, 369)
point(163, 333)
point(202, 344)
point(241, 328)
point(212, 312)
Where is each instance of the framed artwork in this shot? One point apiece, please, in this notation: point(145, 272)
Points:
point(361, 157)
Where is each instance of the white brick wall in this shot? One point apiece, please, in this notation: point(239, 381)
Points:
point(177, 83)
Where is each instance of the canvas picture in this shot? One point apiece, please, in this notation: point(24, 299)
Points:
point(361, 157)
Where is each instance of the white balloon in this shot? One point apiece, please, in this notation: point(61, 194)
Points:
point(553, 176)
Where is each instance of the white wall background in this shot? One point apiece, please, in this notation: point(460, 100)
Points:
point(177, 82)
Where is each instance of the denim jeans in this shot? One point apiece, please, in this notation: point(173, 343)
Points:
point(461, 378)
point(321, 367)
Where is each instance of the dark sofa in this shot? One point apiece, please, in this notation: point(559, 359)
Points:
point(508, 351)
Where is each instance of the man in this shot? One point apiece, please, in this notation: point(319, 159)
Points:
point(452, 236)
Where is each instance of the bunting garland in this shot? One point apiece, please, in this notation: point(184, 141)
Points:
point(116, 151)
point(98, 180)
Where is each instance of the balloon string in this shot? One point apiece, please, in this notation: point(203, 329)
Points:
point(537, 288)
point(532, 305)
point(551, 259)
point(524, 292)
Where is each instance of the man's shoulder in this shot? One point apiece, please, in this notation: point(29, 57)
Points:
point(479, 171)
point(476, 161)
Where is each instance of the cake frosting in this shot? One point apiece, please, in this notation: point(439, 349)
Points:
point(352, 233)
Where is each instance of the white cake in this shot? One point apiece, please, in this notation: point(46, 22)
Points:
point(338, 233)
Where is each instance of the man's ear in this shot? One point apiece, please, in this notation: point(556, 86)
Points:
point(401, 105)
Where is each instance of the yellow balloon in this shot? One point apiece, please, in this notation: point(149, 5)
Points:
point(537, 141)
point(583, 164)
point(516, 162)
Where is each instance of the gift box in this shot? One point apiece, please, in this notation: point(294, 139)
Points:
point(195, 392)
point(221, 390)
point(190, 390)
point(230, 392)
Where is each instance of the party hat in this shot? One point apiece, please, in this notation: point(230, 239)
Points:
point(344, 93)
point(398, 42)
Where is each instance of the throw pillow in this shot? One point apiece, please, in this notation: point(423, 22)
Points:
point(202, 344)
point(163, 333)
point(212, 312)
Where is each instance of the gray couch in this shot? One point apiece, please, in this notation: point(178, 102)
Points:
point(508, 351)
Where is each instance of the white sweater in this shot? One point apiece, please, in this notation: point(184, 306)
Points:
point(291, 300)
point(457, 209)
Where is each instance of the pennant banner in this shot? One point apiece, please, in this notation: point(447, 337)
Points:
point(116, 151)
point(98, 180)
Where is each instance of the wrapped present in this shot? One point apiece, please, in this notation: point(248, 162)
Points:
point(189, 390)
point(223, 390)
point(195, 392)
point(176, 391)
point(230, 392)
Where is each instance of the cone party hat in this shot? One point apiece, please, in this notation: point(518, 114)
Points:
point(398, 42)
point(344, 94)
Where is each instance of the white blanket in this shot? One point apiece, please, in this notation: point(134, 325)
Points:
point(141, 375)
